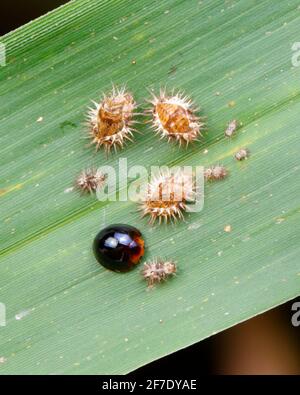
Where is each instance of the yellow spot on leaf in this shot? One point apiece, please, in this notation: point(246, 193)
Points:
point(138, 37)
point(5, 191)
point(149, 53)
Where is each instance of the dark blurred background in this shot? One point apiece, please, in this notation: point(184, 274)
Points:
point(15, 13)
point(267, 344)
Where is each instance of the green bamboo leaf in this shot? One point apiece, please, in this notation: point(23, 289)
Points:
point(65, 313)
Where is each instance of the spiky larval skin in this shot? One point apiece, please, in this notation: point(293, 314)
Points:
point(174, 117)
point(217, 172)
point(89, 180)
point(158, 270)
point(167, 196)
point(111, 120)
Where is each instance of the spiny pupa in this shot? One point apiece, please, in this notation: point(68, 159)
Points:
point(110, 121)
point(167, 196)
point(89, 180)
point(217, 172)
point(174, 117)
point(157, 270)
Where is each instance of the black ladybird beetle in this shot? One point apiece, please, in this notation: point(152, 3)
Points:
point(119, 247)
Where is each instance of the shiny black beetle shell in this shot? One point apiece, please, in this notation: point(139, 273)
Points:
point(119, 247)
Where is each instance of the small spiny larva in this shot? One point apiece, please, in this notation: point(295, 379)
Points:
point(110, 122)
point(158, 270)
point(89, 180)
point(243, 153)
point(217, 172)
point(167, 196)
point(174, 117)
point(232, 128)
